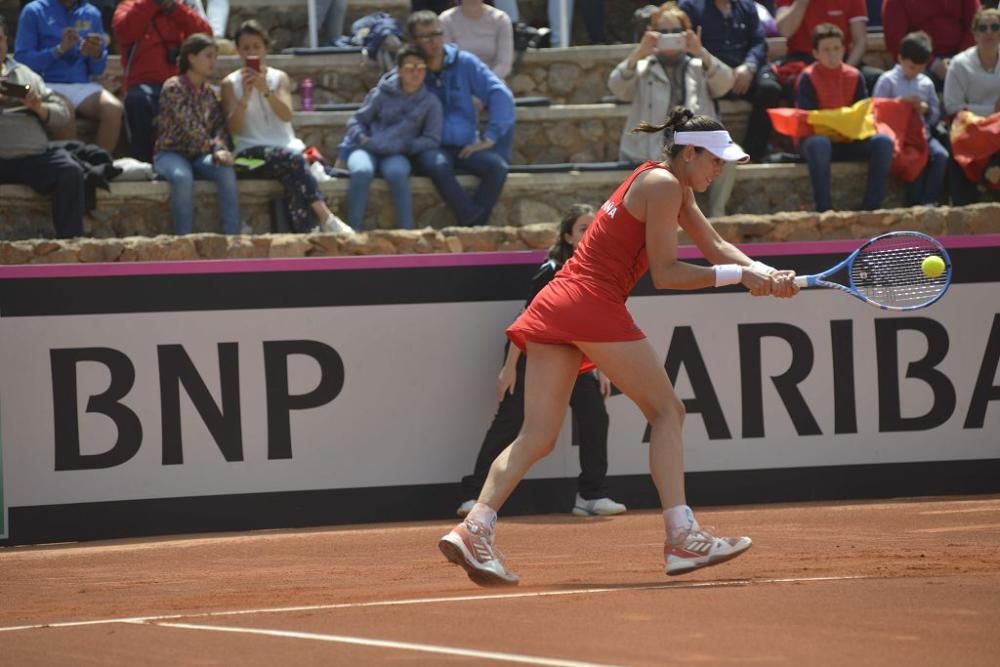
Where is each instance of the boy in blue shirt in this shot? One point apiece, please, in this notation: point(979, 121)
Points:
point(63, 41)
point(908, 81)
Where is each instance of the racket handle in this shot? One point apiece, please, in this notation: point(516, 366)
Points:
point(803, 281)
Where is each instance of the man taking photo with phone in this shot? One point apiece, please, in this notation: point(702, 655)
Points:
point(63, 41)
point(25, 155)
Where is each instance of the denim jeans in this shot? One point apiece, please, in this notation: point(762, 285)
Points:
point(180, 172)
point(142, 106)
point(439, 165)
point(819, 152)
point(395, 169)
point(926, 189)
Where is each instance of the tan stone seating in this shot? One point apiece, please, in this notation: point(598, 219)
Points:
point(576, 75)
point(142, 208)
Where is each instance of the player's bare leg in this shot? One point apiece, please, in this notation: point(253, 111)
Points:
point(634, 368)
point(549, 378)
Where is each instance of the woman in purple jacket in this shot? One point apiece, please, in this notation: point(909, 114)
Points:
point(399, 118)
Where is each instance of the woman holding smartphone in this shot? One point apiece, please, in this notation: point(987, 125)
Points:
point(257, 101)
point(192, 139)
point(668, 68)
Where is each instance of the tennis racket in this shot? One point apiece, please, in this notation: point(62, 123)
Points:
point(888, 272)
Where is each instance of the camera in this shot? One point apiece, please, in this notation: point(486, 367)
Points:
point(172, 52)
point(11, 89)
point(253, 62)
point(674, 41)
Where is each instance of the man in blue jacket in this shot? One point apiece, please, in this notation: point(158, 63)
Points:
point(63, 41)
point(457, 77)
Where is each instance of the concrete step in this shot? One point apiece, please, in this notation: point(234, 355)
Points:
point(141, 208)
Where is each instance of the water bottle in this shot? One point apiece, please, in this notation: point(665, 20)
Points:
point(307, 94)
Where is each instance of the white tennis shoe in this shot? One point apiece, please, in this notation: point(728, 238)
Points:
point(597, 507)
point(700, 549)
point(470, 546)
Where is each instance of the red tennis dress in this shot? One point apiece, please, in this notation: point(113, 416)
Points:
point(586, 299)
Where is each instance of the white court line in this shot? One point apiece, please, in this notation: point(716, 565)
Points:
point(966, 511)
point(413, 601)
point(955, 529)
point(382, 643)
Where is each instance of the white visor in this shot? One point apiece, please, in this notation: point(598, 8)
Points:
point(718, 142)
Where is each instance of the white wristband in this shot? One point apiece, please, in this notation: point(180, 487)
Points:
point(727, 274)
point(763, 268)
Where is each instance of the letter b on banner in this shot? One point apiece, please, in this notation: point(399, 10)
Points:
point(67, 421)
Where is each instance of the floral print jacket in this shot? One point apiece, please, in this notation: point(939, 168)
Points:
point(191, 121)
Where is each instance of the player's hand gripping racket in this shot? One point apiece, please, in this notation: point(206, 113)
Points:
point(894, 271)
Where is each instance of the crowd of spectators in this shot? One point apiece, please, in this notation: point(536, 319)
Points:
point(445, 108)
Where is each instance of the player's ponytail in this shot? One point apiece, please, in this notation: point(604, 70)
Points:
point(680, 119)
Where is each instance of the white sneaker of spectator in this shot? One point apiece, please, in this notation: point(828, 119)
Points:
point(334, 225)
point(597, 507)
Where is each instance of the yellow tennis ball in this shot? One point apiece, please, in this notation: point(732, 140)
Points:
point(932, 266)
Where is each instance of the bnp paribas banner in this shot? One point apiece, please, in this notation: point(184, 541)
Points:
point(146, 398)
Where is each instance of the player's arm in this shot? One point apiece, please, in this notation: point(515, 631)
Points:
point(657, 198)
point(719, 251)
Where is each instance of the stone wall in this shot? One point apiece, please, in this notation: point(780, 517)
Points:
point(142, 208)
point(975, 219)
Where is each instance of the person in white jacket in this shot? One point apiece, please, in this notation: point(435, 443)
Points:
point(655, 80)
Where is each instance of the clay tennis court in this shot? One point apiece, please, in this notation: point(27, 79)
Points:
point(902, 582)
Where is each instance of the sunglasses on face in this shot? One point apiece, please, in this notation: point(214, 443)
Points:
point(413, 67)
point(991, 27)
point(428, 36)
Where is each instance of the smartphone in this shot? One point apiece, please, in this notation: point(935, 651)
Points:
point(11, 89)
point(674, 41)
point(253, 62)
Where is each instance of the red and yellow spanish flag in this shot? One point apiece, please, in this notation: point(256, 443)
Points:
point(896, 118)
point(974, 140)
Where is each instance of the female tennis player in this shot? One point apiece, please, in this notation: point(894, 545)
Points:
point(580, 317)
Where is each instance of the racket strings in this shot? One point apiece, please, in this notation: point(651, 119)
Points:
point(890, 272)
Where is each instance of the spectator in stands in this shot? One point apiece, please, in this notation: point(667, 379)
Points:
point(560, 16)
point(399, 118)
point(797, 19)
point(657, 80)
point(149, 34)
point(945, 21)
point(455, 76)
point(26, 158)
point(731, 31)
point(586, 401)
point(257, 101)
point(908, 81)
point(63, 41)
point(595, 21)
point(192, 139)
point(973, 83)
point(829, 83)
point(483, 30)
point(331, 15)
point(216, 12)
